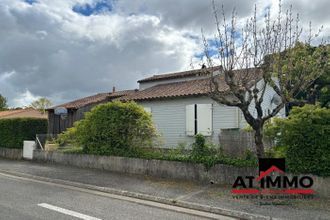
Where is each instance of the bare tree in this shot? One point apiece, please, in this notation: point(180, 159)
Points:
point(264, 52)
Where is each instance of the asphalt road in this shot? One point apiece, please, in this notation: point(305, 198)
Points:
point(29, 199)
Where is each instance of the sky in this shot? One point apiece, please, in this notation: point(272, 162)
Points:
point(68, 49)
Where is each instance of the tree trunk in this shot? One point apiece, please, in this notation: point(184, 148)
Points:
point(259, 142)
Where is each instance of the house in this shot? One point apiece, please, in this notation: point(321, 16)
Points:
point(77, 108)
point(22, 113)
point(180, 106)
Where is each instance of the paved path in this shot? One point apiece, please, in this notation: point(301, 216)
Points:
point(209, 195)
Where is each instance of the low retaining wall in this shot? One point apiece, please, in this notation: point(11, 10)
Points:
point(11, 153)
point(220, 174)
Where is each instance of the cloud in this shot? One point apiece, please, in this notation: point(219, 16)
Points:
point(66, 49)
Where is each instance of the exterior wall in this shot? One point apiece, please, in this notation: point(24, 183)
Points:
point(170, 119)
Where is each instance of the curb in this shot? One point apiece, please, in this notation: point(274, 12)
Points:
point(183, 204)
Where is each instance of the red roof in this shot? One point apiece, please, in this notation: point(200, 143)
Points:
point(175, 75)
point(98, 98)
point(22, 113)
point(196, 87)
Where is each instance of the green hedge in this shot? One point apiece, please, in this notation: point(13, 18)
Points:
point(304, 139)
point(307, 135)
point(14, 131)
point(112, 128)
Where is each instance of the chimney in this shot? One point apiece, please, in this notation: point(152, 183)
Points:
point(113, 89)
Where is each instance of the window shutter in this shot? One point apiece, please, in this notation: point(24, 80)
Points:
point(204, 119)
point(190, 120)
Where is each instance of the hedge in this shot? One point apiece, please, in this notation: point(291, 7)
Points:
point(304, 139)
point(14, 131)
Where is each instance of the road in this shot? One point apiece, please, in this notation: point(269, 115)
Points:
point(22, 198)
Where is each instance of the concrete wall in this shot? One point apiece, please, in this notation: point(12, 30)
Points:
point(222, 174)
point(10, 153)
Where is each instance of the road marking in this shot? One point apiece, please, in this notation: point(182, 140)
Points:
point(149, 203)
point(67, 212)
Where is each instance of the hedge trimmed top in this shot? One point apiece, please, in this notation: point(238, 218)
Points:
point(14, 131)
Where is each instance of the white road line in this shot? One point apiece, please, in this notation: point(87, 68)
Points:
point(67, 212)
point(149, 203)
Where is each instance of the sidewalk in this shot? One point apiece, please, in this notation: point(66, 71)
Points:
point(177, 192)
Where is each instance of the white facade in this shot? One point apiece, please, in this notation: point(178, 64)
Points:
point(179, 119)
point(174, 119)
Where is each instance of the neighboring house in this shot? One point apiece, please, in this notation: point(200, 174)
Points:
point(180, 106)
point(22, 113)
point(76, 110)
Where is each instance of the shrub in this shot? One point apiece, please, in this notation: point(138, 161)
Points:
point(14, 131)
point(68, 137)
point(304, 139)
point(115, 128)
point(307, 136)
point(200, 148)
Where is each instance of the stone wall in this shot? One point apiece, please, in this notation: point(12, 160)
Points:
point(11, 153)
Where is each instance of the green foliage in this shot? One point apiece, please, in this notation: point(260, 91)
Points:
point(113, 128)
point(322, 87)
point(307, 71)
point(179, 154)
point(3, 103)
point(68, 137)
point(276, 152)
point(304, 138)
point(41, 104)
point(199, 147)
point(126, 130)
point(14, 131)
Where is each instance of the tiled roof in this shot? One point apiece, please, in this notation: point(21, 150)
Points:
point(186, 88)
point(179, 74)
point(100, 97)
point(22, 113)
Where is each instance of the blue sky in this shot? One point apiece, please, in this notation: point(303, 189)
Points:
point(97, 7)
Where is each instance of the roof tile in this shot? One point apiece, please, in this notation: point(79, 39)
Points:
point(187, 88)
point(100, 97)
point(180, 74)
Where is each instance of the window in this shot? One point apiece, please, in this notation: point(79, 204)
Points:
point(199, 119)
